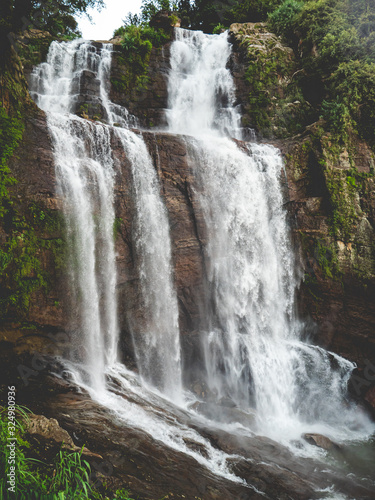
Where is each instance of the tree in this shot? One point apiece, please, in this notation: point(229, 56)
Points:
point(55, 16)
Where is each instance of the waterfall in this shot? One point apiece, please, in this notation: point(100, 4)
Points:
point(85, 176)
point(156, 339)
point(85, 182)
point(201, 91)
point(254, 354)
point(254, 358)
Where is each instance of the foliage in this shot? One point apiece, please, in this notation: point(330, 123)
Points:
point(151, 7)
point(354, 84)
point(337, 56)
point(219, 28)
point(252, 10)
point(11, 131)
point(281, 20)
point(141, 39)
point(137, 43)
point(148, 10)
point(55, 16)
point(336, 115)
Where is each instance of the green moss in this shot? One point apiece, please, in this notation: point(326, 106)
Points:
point(11, 132)
point(27, 239)
point(326, 256)
point(117, 226)
point(325, 165)
point(342, 199)
point(34, 51)
point(21, 258)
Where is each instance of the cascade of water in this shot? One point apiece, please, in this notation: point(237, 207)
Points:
point(253, 350)
point(201, 91)
point(85, 179)
point(85, 182)
point(253, 353)
point(156, 339)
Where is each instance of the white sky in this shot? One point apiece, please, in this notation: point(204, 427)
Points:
point(109, 19)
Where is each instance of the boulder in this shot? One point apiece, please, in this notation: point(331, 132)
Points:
point(48, 432)
point(321, 441)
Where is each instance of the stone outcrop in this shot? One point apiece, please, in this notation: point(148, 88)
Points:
point(264, 71)
point(145, 96)
point(46, 433)
point(321, 441)
point(332, 207)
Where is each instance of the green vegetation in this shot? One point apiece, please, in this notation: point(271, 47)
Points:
point(326, 257)
point(137, 43)
point(66, 477)
point(334, 41)
point(32, 51)
point(54, 16)
point(11, 131)
point(281, 20)
point(29, 233)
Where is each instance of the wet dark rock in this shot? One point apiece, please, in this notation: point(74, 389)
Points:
point(132, 459)
point(46, 433)
point(226, 414)
point(148, 100)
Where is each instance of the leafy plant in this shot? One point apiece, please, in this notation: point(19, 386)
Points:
point(336, 115)
point(219, 28)
point(282, 19)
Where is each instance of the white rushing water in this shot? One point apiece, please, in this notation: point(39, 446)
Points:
point(85, 183)
point(156, 338)
point(253, 349)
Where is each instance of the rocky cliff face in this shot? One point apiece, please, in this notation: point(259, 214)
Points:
point(144, 95)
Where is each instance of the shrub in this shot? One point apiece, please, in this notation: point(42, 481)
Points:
point(219, 28)
point(283, 18)
point(354, 83)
